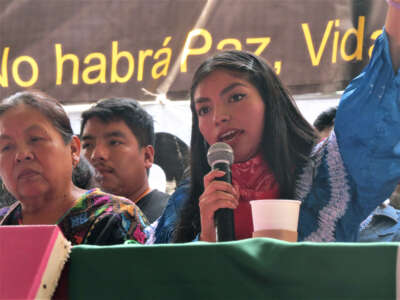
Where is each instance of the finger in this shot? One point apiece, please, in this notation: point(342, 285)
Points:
point(210, 176)
point(208, 209)
point(237, 190)
point(222, 186)
point(218, 200)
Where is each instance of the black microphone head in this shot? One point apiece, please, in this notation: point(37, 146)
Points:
point(220, 152)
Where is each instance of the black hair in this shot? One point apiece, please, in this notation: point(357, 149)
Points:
point(287, 137)
point(172, 155)
point(139, 121)
point(83, 174)
point(46, 105)
point(325, 119)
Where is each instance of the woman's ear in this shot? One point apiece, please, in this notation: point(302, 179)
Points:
point(148, 156)
point(75, 150)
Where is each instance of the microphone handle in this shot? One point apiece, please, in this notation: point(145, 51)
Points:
point(224, 216)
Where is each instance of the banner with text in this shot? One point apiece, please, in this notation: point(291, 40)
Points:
point(81, 51)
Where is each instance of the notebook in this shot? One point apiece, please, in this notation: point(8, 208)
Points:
point(31, 260)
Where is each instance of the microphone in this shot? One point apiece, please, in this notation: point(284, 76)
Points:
point(220, 156)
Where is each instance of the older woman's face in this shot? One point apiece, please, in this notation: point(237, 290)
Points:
point(34, 159)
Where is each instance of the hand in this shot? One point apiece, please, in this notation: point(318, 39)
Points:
point(216, 195)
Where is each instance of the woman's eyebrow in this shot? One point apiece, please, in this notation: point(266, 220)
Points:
point(223, 92)
point(201, 100)
point(231, 87)
point(34, 127)
point(5, 137)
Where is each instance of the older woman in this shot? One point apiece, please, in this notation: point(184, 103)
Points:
point(38, 153)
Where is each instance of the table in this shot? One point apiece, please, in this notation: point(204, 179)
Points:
point(258, 268)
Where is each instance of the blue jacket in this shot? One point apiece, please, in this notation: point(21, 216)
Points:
point(165, 225)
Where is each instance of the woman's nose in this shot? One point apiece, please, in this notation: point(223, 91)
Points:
point(24, 153)
point(221, 115)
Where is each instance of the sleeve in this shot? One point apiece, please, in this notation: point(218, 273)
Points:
point(167, 221)
point(367, 127)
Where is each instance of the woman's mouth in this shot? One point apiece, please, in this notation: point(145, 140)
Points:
point(229, 136)
point(26, 174)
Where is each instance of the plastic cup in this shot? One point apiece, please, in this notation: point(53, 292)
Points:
point(276, 218)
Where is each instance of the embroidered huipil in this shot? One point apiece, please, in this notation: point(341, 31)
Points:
point(96, 218)
point(358, 166)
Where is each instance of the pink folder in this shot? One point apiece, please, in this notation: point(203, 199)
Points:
point(31, 260)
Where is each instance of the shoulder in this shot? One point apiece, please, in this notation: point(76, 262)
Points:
point(181, 191)
point(97, 198)
point(104, 204)
point(153, 204)
point(117, 218)
point(157, 194)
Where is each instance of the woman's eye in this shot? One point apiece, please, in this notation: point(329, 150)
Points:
point(35, 139)
point(5, 148)
point(203, 110)
point(115, 143)
point(237, 97)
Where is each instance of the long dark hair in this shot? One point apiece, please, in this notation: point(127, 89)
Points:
point(287, 137)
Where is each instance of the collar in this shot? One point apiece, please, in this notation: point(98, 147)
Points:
point(142, 195)
point(254, 179)
point(253, 165)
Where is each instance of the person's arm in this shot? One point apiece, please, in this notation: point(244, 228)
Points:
point(367, 136)
point(392, 26)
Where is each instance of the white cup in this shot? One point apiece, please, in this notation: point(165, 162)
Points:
point(275, 214)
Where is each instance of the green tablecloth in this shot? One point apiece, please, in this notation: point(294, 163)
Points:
point(249, 269)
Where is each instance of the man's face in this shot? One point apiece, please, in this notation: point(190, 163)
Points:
point(119, 160)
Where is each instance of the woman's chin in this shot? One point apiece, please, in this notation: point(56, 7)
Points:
point(29, 192)
point(243, 157)
point(31, 189)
